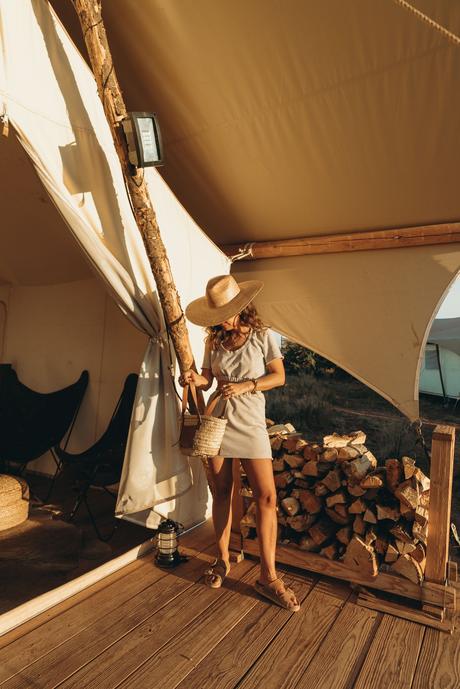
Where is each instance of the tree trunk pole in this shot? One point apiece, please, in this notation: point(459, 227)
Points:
point(90, 15)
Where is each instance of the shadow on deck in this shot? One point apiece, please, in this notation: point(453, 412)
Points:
point(147, 628)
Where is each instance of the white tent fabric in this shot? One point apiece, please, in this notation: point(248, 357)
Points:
point(445, 332)
point(51, 101)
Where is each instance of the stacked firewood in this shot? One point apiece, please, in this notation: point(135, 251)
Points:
point(335, 500)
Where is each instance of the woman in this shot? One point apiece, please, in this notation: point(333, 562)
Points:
point(239, 350)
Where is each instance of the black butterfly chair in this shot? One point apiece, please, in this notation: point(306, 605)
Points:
point(31, 422)
point(101, 464)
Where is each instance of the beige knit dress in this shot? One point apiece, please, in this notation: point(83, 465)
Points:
point(245, 435)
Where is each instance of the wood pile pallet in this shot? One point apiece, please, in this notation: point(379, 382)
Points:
point(341, 514)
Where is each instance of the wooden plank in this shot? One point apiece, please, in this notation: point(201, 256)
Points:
point(156, 625)
point(430, 592)
point(441, 476)
point(391, 659)
point(423, 235)
point(96, 608)
point(439, 661)
point(284, 662)
point(341, 651)
point(171, 659)
point(197, 538)
point(441, 622)
point(229, 661)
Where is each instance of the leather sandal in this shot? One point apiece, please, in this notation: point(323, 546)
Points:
point(216, 573)
point(285, 599)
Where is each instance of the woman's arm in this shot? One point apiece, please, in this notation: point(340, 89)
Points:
point(204, 380)
point(275, 378)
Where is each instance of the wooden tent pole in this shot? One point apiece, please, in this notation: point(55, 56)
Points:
point(90, 15)
point(397, 238)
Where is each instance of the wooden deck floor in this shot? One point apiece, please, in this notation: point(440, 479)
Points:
point(145, 628)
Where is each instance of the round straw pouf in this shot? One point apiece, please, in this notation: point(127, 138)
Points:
point(14, 501)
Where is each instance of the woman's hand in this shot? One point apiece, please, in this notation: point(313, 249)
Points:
point(235, 389)
point(191, 376)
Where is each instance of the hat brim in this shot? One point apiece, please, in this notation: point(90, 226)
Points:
point(200, 313)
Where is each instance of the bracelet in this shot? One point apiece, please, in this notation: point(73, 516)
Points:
point(254, 383)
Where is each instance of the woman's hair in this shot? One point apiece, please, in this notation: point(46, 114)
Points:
point(248, 316)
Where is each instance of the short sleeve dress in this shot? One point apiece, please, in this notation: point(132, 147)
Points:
point(246, 434)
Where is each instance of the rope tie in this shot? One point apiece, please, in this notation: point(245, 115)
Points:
point(246, 251)
point(431, 22)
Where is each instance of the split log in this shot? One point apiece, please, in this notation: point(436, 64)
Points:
point(357, 507)
point(355, 489)
point(300, 522)
point(408, 467)
point(294, 444)
point(322, 531)
point(283, 479)
point(401, 534)
point(371, 482)
point(291, 506)
point(307, 543)
point(310, 468)
point(341, 510)
point(344, 535)
point(336, 498)
point(357, 468)
point(359, 526)
point(278, 464)
point(294, 461)
point(330, 551)
point(276, 442)
point(329, 455)
point(423, 480)
point(361, 557)
point(320, 489)
point(403, 547)
point(370, 516)
point(409, 568)
point(310, 502)
point(346, 453)
point(407, 492)
point(332, 480)
point(391, 554)
point(311, 452)
point(386, 512)
point(336, 517)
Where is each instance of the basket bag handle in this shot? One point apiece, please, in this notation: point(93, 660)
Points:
point(185, 400)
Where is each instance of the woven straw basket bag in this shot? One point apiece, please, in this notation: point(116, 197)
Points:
point(14, 501)
point(201, 434)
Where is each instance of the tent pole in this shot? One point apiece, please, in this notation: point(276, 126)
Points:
point(394, 238)
point(90, 16)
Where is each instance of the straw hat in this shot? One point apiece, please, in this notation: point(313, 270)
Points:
point(225, 297)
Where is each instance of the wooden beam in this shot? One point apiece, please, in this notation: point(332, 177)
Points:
point(425, 235)
point(441, 474)
point(90, 16)
point(441, 595)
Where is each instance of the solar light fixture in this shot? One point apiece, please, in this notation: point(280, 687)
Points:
point(167, 554)
point(143, 139)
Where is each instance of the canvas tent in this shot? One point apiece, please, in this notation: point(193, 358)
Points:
point(440, 374)
point(278, 122)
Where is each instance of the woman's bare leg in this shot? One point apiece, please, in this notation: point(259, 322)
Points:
point(260, 475)
point(221, 475)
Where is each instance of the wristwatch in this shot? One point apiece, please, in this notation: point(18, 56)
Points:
point(254, 383)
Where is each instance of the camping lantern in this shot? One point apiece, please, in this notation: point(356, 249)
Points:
point(167, 554)
point(143, 139)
